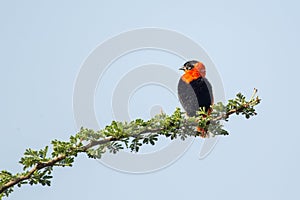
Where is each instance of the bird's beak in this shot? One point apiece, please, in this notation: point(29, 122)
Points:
point(182, 68)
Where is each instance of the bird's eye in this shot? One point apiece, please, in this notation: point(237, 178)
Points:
point(189, 67)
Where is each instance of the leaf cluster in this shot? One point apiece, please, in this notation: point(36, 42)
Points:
point(38, 164)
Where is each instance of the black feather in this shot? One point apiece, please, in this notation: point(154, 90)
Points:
point(196, 94)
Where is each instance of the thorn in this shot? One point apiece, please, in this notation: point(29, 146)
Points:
point(254, 93)
point(161, 111)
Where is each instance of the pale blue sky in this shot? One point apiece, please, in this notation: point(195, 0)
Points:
point(252, 43)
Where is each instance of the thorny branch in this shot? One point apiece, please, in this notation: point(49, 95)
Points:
point(117, 135)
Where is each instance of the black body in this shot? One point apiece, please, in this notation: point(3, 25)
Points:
point(196, 94)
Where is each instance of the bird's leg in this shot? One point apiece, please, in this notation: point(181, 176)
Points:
point(202, 132)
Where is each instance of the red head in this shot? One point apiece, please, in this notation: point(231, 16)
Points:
point(192, 71)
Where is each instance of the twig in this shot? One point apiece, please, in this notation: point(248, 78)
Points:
point(37, 167)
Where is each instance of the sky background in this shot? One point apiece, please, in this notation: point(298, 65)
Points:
point(252, 43)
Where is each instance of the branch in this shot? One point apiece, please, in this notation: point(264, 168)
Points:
point(254, 100)
point(120, 135)
point(28, 175)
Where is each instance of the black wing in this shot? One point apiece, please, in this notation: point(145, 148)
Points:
point(194, 95)
point(187, 98)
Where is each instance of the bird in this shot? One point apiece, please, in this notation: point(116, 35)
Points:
point(194, 90)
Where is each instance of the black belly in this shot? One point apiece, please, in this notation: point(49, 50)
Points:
point(195, 95)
